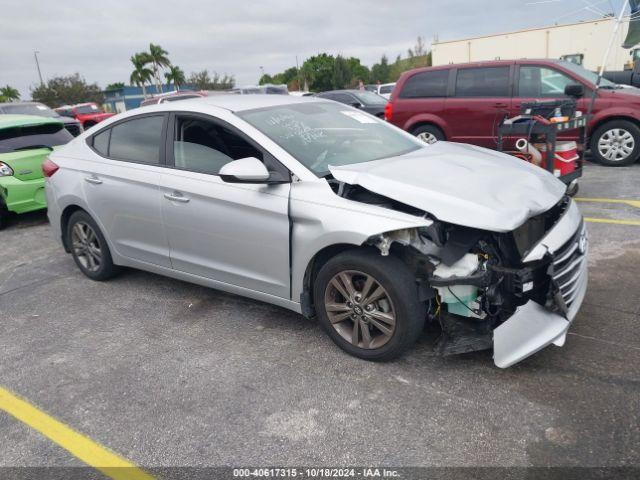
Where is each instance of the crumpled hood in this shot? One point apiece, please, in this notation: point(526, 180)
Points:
point(460, 184)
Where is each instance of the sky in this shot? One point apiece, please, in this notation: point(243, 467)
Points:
point(96, 39)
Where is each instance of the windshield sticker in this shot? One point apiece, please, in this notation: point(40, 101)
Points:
point(360, 117)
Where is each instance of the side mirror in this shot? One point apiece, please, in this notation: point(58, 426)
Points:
point(244, 170)
point(574, 90)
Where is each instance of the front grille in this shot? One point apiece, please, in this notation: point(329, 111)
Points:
point(567, 266)
point(73, 129)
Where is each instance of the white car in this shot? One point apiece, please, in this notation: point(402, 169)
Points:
point(328, 211)
point(385, 90)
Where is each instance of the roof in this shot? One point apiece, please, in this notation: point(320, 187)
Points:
point(238, 103)
point(11, 120)
point(3, 104)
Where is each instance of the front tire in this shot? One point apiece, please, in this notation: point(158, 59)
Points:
point(368, 304)
point(616, 143)
point(89, 248)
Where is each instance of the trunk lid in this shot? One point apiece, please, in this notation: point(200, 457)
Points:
point(26, 164)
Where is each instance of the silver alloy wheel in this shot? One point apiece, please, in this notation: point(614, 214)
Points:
point(86, 246)
point(427, 137)
point(360, 309)
point(616, 144)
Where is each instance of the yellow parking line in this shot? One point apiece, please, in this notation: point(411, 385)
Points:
point(91, 453)
point(613, 220)
point(632, 203)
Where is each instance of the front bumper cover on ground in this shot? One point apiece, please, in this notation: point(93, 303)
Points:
point(533, 327)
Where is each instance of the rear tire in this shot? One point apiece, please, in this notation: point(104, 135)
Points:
point(4, 216)
point(616, 143)
point(89, 248)
point(429, 134)
point(368, 304)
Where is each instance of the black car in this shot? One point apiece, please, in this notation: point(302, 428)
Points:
point(364, 100)
point(38, 109)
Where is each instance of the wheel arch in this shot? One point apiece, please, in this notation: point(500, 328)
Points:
point(427, 119)
point(64, 223)
point(601, 121)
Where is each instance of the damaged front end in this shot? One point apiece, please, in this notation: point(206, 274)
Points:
point(516, 292)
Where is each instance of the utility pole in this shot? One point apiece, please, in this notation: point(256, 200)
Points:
point(35, 55)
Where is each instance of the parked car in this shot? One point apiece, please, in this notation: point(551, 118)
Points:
point(466, 102)
point(377, 233)
point(385, 89)
point(88, 114)
point(25, 140)
point(362, 99)
point(268, 89)
point(41, 110)
point(171, 97)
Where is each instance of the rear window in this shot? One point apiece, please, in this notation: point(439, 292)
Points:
point(33, 136)
point(483, 82)
point(426, 84)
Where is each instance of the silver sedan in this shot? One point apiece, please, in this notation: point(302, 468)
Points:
point(331, 212)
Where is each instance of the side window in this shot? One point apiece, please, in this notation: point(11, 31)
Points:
point(426, 84)
point(204, 146)
point(101, 142)
point(542, 82)
point(386, 89)
point(137, 140)
point(483, 82)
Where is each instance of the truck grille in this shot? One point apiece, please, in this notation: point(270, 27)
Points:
point(567, 265)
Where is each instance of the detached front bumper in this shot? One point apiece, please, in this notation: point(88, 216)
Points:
point(533, 327)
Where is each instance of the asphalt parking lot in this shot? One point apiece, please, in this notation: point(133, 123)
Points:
point(165, 373)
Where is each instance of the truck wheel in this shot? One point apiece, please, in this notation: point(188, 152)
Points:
point(428, 133)
point(616, 143)
point(368, 304)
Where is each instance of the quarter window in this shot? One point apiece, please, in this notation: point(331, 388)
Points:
point(426, 84)
point(483, 82)
point(101, 142)
point(204, 146)
point(542, 82)
point(137, 140)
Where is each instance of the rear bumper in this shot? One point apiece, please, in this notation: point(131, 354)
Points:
point(21, 196)
point(533, 327)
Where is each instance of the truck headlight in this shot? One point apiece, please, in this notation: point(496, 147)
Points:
point(5, 170)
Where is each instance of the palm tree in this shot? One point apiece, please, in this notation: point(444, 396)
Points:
point(141, 74)
point(175, 75)
point(9, 94)
point(158, 59)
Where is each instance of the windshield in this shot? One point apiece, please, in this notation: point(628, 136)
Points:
point(30, 109)
point(33, 136)
point(587, 75)
point(370, 98)
point(87, 109)
point(319, 134)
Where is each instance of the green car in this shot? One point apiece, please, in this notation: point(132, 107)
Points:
point(25, 141)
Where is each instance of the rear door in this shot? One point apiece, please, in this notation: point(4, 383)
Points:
point(479, 100)
point(421, 99)
point(121, 185)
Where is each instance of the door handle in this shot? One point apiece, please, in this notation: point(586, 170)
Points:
point(93, 179)
point(176, 197)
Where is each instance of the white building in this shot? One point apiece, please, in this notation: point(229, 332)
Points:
point(589, 39)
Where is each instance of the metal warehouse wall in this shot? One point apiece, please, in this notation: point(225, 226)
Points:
point(588, 38)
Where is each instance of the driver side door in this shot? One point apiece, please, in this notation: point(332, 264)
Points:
point(235, 233)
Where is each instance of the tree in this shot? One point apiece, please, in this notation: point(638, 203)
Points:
point(341, 76)
point(358, 71)
point(380, 71)
point(157, 57)
point(175, 75)
point(265, 79)
point(202, 81)
point(9, 94)
point(67, 90)
point(318, 72)
point(141, 74)
point(115, 86)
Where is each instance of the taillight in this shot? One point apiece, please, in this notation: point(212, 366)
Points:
point(49, 168)
point(388, 111)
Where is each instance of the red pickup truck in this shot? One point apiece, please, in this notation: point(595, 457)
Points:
point(466, 102)
point(88, 114)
